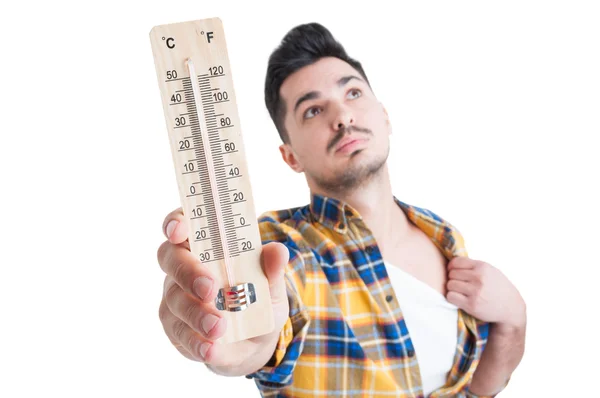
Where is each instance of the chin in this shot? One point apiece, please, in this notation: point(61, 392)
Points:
point(363, 155)
point(361, 151)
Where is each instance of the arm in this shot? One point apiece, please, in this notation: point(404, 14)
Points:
point(484, 292)
point(276, 370)
point(502, 354)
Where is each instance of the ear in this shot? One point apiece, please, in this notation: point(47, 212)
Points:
point(290, 157)
point(387, 117)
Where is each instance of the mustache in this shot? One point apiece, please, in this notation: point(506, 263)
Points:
point(342, 132)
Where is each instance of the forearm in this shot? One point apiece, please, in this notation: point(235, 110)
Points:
point(254, 361)
point(503, 352)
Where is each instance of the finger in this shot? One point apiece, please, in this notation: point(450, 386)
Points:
point(461, 275)
point(188, 343)
point(175, 226)
point(274, 258)
point(465, 288)
point(184, 352)
point(461, 262)
point(166, 318)
point(187, 271)
point(204, 319)
point(458, 299)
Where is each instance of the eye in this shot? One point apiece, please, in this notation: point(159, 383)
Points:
point(309, 115)
point(354, 93)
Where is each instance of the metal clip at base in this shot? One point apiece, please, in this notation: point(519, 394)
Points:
point(236, 298)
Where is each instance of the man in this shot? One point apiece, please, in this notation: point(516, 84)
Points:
point(372, 297)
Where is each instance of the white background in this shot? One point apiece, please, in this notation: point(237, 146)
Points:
point(495, 110)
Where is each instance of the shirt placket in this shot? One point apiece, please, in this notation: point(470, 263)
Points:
point(407, 376)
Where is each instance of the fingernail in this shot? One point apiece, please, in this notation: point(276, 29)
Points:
point(209, 322)
point(203, 348)
point(171, 227)
point(202, 287)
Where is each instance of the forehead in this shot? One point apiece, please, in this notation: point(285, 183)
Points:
point(319, 76)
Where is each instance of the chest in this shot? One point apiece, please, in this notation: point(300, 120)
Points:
point(420, 257)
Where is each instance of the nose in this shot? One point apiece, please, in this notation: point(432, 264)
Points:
point(343, 118)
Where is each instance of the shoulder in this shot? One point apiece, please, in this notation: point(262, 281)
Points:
point(427, 218)
point(282, 225)
point(288, 226)
point(439, 228)
point(278, 216)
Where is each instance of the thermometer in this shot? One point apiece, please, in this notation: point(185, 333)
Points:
point(199, 104)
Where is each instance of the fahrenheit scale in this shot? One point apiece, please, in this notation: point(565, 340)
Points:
point(194, 76)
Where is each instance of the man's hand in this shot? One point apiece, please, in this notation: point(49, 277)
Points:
point(188, 313)
point(484, 292)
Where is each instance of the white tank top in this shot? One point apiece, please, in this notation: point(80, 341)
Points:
point(432, 323)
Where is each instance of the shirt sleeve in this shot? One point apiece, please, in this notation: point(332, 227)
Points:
point(469, 394)
point(278, 371)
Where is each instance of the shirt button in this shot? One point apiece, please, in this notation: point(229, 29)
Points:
point(369, 250)
point(389, 298)
point(410, 352)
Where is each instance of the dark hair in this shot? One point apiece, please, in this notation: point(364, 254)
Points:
point(302, 46)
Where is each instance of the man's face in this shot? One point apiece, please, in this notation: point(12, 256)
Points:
point(338, 131)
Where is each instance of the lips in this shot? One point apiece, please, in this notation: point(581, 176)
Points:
point(347, 141)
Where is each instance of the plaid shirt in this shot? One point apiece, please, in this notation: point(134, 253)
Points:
point(346, 336)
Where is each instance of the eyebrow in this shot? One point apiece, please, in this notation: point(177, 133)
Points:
point(316, 94)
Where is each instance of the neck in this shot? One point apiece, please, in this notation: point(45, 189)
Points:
point(375, 203)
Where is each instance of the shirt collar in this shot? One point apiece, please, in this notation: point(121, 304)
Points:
point(331, 212)
point(336, 215)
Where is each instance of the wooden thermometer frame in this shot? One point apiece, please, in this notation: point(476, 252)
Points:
point(211, 170)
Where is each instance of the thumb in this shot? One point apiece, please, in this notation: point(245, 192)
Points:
point(275, 257)
point(175, 227)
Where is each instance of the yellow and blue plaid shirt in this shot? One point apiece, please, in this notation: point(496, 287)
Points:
point(346, 336)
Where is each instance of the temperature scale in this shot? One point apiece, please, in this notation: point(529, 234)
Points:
point(194, 76)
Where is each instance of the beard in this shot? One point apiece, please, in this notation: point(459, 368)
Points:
point(352, 177)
